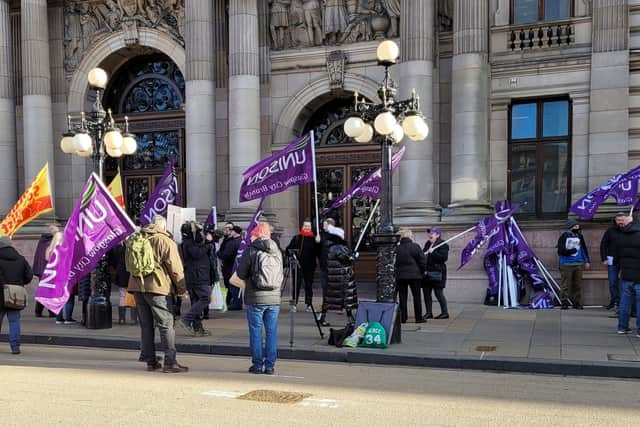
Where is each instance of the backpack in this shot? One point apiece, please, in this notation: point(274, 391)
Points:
point(375, 336)
point(139, 258)
point(267, 271)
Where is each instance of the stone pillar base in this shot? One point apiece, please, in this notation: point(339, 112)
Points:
point(466, 211)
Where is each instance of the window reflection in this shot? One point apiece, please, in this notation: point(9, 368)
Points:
point(360, 210)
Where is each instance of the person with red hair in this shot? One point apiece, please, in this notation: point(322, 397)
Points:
point(261, 268)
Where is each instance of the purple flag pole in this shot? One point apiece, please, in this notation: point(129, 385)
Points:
point(165, 194)
point(96, 224)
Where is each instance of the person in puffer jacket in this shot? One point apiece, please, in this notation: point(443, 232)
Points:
point(342, 293)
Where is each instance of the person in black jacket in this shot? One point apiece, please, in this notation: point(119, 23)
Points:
point(323, 257)
point(607, 248)
point(342, 293)
point(436, 262)
point(574, 259)
point(227, 254)
point(410, 265)
point(196, 253)
point(627, 251)
point(40, 262)
point(14, 270)
point(304, 248)
point(116, 258)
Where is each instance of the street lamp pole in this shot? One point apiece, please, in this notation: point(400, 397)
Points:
point(97, 136)
point(385, 117)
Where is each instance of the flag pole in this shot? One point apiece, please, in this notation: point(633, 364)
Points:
point(366, 225)
point(315, 183)
point(453, 238)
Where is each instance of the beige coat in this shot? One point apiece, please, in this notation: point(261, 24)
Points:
point(168, 276)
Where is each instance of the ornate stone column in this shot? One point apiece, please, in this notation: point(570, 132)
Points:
point(8, 159)
point(200, 105)
point(417, 172)
point(244, 97)
point(36, 89)
point(470, 117)
point(609, 104)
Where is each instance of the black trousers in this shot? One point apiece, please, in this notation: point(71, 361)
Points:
point(439, 292)
point(304, 278)
point(153, 311)
point(403, 286)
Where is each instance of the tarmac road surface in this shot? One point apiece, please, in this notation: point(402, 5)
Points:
point(49, 386)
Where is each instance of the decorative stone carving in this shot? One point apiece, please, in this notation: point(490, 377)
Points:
point(86, 22)
point(305, 23)
point(335, 67)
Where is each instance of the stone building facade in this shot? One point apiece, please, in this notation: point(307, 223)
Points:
point(534, 101)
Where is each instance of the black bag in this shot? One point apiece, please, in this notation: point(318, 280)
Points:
point(336, 336)
point(433, 277)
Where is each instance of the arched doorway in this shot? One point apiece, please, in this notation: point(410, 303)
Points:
point(340, 163)
point(150, 90)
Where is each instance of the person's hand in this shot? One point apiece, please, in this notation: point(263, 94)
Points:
point(184, 295)
point(318, 238)
point(605, 262)
point(587, 266)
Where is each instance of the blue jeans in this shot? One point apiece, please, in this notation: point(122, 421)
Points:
point(613, 273)
point(14, 327)
point(257, 317)
point(626, 301)
point(68, 310)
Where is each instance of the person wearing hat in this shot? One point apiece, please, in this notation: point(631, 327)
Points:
point(574, 259)
point(436, 262)
point(14, 270)
point(227, 255)
point(342, 293)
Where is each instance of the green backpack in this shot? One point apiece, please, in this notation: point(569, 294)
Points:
point(375, 336)
point(139, 259)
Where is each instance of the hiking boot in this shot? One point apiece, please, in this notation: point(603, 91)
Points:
point(153, 366)
point(442, 316)
point(185, 327)
point(624, 332)
point(175, 369)
point(15, 351)
point(269, 371)
point(254, 370)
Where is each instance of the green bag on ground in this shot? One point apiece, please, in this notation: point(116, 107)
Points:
point(375, 337)
point(139, 258)
point(354, 339)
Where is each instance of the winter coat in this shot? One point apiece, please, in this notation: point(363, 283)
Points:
point(14, 269)
point(572, 256)
point(410, 261)
point(608, 243)
point(436, 261)
point(342, 292)
point(628, 252)
point(39, 258)
point(227, 254)
point(246, 266)
point(168, 276)
point(307, 251)
point(197, 262)
point(117, 262)
point(213, 263)
point(323, 250)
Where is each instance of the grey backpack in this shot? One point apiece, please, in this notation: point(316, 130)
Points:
point(267, 272)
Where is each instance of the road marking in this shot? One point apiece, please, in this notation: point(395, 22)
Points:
point(289, 376)
point(217, 393)
point(307, 402)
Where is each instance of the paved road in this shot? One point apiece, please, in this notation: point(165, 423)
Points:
point(49, 385)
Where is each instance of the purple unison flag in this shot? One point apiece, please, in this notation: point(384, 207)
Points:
point(486, 228)
point(624, 188)
point(212, 218)
point(165, 194)
point(293, 165)
point(246, 242)
point(96, 224)
point(524, 258)
point(369, 186)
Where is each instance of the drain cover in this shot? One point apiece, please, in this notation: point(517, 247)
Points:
point(486, 348)
point(273, 396)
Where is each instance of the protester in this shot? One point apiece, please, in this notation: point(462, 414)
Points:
point(574, 259)
point(607, 249)
point(117, 262)
point(410, 265)
point(261, 268)
point(342, 293)
point(211, 238)
point(627, 251)
point(151, 291)
point(40, 262)
point(196, 253)
point(323, 255)
point(14, 270)
point(227, 254)
point(436, 263)
point(305, 249)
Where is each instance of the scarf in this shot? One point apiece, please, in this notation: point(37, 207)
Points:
point(306, 233)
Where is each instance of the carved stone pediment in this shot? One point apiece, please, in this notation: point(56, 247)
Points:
point(336, 61)
point(88, 21)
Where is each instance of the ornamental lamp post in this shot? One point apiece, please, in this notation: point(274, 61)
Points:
point(96, 135)
point(392, 120)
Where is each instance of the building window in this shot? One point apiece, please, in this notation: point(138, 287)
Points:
point(528, 11)
point(539, 150)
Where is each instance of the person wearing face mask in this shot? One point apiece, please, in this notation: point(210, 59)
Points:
point(607, 249)
point(574, 259)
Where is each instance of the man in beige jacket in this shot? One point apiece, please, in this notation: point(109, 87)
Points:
point(151, 296)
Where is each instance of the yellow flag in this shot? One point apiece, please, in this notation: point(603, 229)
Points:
point(115, 188)
point(35, 201)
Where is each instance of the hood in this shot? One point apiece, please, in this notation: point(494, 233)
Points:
point(265, 245)
point(154, 229)
point(336, 239)
point(634, 227)
point(9, 253)
point(405, 240)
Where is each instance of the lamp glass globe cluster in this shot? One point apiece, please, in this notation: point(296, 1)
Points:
point(413, 126)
